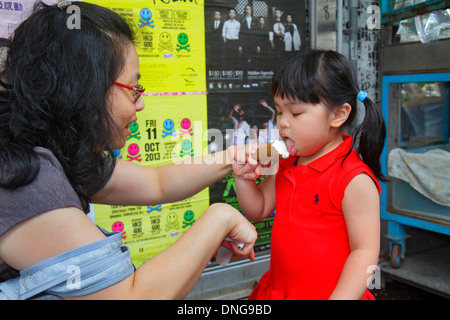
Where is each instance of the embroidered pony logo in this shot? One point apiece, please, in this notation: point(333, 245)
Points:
point(316, 199)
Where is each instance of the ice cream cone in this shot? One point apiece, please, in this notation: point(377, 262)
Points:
point(270, 151)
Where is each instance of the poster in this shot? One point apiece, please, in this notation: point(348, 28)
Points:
point(12, 13)
point(245, 41)
point(169, 40)
point(170, 44)
point(200, 83)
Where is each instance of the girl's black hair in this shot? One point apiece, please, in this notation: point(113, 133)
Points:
point(318, 76)
point(53, 95)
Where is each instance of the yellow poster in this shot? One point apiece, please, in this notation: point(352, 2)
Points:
point(170, 40)
point(170, 128)
point(173, 124)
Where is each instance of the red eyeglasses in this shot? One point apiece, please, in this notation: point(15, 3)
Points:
point(138, 90)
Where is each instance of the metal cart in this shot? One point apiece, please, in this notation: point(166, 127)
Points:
point(406, 66)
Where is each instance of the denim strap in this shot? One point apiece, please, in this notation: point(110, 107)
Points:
point(74, 273)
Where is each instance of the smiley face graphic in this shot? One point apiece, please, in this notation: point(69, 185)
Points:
point(165, 41)
point(145, 14)
point(186, 145)
point(188, 215)
point(133, 149)
point(182, 44)
point(134, 127)
point(145, 20)
point(188, 218)
point(168, 124)
point(165, 37)
point(183, 38)
point(172, 221)
point(185, 123)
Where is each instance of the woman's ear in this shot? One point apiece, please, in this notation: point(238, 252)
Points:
point(340, 115)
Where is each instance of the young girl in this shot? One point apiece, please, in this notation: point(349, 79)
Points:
point(326, 235)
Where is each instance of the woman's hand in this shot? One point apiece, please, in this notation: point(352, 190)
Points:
point(244, 166)
point(243, 236)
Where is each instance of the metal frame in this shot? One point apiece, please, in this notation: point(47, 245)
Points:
point(396, 222)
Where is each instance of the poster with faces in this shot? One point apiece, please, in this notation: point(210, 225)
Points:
point(206, 65)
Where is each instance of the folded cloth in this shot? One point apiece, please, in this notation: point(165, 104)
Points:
point(428, 172)
point(74, 273)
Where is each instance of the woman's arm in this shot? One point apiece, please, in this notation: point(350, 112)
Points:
point(173, 272)
point(133, 184)
point(361, 207)
point(169, 275)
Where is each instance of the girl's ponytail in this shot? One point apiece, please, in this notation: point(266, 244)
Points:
point(371, 133)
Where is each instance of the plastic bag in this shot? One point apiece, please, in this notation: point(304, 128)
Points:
point(426, 28)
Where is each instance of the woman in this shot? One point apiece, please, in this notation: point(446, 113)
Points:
point(67, 99)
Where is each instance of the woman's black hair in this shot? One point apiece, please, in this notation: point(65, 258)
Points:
point(318, 76)
point(53, 94)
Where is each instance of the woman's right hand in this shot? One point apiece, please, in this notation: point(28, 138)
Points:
point(244, 166)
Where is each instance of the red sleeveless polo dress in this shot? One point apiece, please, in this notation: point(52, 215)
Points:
point(309, 243)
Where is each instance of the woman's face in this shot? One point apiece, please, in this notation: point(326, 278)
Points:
point(121, 104)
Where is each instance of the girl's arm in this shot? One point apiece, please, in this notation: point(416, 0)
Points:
point(133, 184)
point(361, 207)
point(256, 202)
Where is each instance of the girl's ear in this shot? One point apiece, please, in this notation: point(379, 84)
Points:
point(340, 115)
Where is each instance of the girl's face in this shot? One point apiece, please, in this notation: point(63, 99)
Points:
point(122, 106)
point(307, 129)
